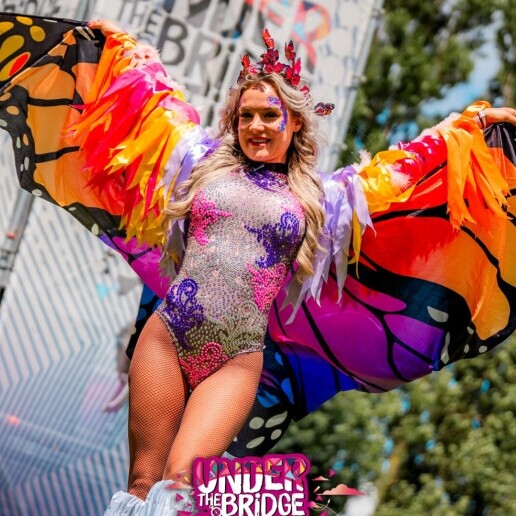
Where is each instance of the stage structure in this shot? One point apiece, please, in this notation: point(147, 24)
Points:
point(65, 298)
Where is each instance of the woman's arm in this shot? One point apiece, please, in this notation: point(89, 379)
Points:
point(354, 194)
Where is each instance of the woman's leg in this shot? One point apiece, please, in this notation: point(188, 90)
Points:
point(216, 411)
point(157, 398)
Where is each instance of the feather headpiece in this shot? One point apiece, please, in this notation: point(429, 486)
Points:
point(291, 71)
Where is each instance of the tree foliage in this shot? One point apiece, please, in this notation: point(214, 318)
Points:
point(503, 86)
point(446, 444)
point(420, 51)
point(457, 441)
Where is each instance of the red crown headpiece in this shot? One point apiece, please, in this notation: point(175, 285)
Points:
point(270, 63)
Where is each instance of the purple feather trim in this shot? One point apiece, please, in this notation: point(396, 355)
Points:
point(343, 197)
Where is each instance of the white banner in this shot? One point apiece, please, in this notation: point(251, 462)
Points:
point(57, 8)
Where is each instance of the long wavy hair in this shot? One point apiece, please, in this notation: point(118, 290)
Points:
point(302, 157)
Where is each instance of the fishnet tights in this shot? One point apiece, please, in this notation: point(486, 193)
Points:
point(168, 427)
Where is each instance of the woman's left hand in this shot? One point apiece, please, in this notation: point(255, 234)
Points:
point(491, 115)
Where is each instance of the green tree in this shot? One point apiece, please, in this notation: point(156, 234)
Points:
point(503, 86)
point(420, 51)
point(459, 441)
point(347, 435)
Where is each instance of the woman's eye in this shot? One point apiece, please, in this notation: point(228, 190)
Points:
point(271, 115)
point(245, 115)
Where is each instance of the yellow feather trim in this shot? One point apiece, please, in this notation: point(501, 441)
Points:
point(129, 158)
point(380, 186)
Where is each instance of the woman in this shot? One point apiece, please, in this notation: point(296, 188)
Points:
point(254, 206)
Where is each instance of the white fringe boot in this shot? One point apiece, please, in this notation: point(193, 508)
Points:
point(125, 504)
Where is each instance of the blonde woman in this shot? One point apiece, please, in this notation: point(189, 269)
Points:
point(254, 206)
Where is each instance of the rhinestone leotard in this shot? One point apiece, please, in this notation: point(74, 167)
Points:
point(244, 233)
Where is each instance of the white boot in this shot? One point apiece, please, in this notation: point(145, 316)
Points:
point(125, 504)
point(162, 501)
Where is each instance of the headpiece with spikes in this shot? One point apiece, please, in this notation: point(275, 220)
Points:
point(270, 63)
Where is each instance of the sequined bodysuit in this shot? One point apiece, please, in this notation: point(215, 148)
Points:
point(244, 233)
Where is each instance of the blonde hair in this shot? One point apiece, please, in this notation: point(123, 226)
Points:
point(302, 156)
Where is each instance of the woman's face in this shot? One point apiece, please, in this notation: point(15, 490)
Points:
point(265, 125)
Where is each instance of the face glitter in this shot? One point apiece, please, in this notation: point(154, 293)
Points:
point(265, 130)
point(275, 101)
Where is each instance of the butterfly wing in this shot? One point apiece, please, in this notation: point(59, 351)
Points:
point(424, 294)
point(64, 79)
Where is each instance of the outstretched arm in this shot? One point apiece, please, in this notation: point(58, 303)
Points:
point(354, 194)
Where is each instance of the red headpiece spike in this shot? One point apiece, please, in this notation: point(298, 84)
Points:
point(289, 51)
point(267, 39)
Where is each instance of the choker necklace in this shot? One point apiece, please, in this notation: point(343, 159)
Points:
point(260, 166)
